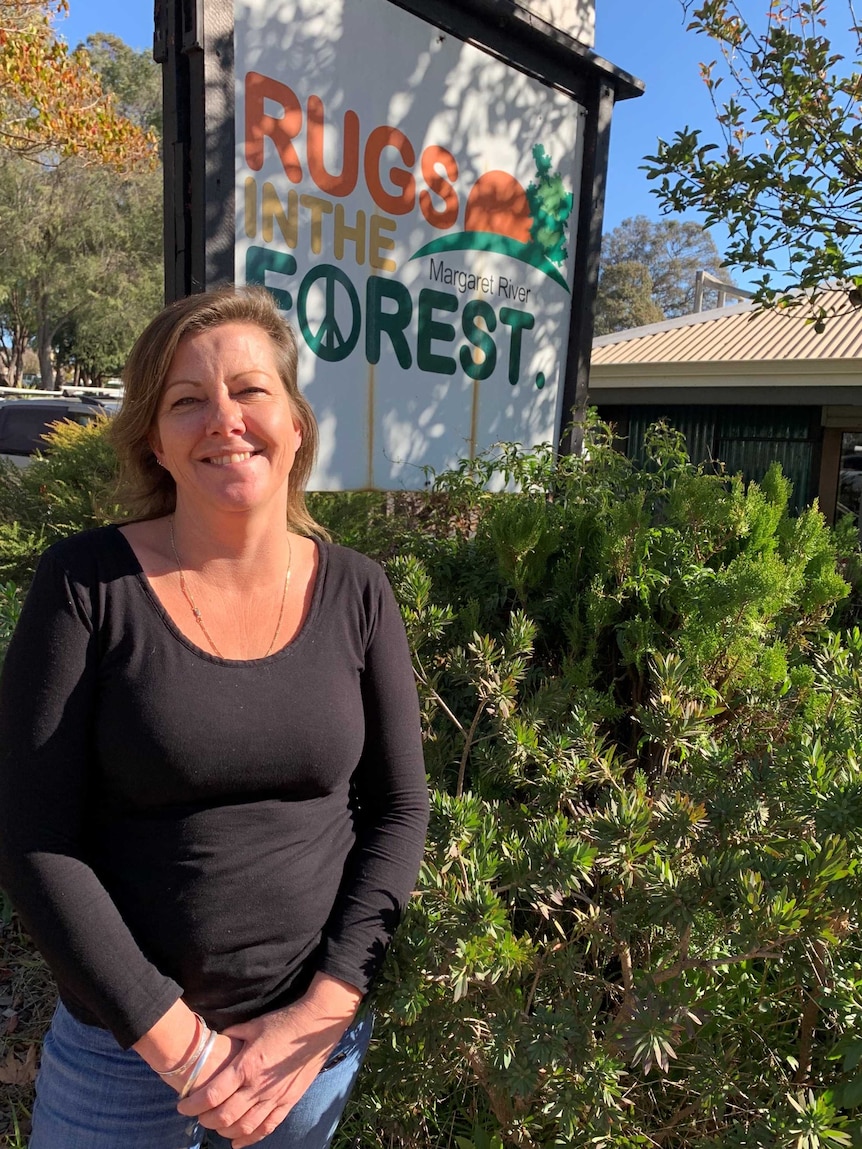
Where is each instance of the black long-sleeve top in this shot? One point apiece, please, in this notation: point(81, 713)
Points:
point(177, 824)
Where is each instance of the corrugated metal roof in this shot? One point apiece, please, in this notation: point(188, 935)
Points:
point(739, 334)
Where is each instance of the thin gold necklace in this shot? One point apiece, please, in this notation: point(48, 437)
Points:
point(187, 594)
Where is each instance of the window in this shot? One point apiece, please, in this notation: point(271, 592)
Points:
point(23, 423)
point(850, 477)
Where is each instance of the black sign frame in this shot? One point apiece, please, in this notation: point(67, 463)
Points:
point(194, 44)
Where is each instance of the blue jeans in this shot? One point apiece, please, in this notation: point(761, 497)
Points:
point(91, 1094)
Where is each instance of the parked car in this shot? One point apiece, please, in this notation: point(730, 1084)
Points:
point(24, 422)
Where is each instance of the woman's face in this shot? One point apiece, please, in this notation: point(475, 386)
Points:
point(225, 428)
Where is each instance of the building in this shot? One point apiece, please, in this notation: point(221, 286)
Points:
point(747, 387)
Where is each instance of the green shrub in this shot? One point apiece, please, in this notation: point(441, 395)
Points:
point(71, 485)
point(67, 488)
point(637, 921)
point(10, 608)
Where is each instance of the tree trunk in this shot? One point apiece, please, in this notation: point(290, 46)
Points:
point(44, 338)
point(19, 333)
point(46, 367)
point(18, 364)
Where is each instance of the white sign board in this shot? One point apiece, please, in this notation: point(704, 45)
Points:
point(409, 199)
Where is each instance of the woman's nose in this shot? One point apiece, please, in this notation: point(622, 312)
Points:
point(224, 414)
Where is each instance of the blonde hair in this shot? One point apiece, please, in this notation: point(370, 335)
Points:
point(147, 490)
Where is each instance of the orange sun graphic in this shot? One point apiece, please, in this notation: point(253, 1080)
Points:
point(499, 204)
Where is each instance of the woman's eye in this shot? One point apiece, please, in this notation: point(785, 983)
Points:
point(184, 401)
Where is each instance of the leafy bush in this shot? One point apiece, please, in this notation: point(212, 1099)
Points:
point(67, 488)
point(10, 608)
point(71, 486)
point(637, 921)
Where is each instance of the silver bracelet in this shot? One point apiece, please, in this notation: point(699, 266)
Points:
point(199, 1064)
point(200, 1039)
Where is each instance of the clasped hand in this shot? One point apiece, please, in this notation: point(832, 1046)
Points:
point(262, 1068)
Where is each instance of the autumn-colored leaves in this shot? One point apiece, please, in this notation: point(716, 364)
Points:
point(52, 104)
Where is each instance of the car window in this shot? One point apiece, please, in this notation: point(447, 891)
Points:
point(22, 425)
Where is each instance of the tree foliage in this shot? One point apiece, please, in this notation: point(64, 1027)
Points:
point(783, 170)
point(132, 78)
point(52, 104)
point(625, 298)
point(664, 254)
point(86, 266)
point(81, 243)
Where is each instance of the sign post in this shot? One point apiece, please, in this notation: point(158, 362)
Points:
point(422, 194)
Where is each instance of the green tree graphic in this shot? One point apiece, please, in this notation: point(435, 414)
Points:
point(551, 206)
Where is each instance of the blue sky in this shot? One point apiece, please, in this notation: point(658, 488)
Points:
point(645, 37)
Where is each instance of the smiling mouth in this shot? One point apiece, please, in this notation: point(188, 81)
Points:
point(224, 460)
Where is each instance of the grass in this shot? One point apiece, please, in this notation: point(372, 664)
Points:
point(27, 998)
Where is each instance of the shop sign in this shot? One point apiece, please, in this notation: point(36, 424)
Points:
point(409, 200)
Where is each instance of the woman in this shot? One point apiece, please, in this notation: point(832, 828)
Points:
point(212, 796)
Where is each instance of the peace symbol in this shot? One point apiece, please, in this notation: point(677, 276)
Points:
point(329, 342)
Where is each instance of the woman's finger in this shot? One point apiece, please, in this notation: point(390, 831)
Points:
point(257, 1123)
point(244, 1030)
point(213, 1093)
point(268, 1126)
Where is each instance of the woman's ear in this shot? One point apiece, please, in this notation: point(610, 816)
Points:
point(155, 446)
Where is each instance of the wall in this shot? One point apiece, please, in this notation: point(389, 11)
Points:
point(577, 18)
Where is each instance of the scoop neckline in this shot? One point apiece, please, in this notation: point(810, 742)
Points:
point(175, 632)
